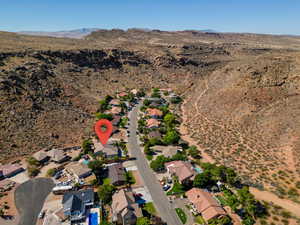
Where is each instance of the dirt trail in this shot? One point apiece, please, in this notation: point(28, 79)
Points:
point(270, 197)
point(260, 195)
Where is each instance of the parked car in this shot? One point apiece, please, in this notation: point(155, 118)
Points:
point(42, 214)
point(166, 187)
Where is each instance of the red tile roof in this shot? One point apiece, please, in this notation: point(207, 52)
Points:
point(152, 123)
point(205, 203)
point(183, 170)
point(154, 112)
point(116, 110)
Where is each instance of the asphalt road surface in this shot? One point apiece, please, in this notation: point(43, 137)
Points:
point(30, 197)
point(160, 200)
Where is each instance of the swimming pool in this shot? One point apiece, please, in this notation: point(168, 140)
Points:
point(198, 170)
point(85, 161)
point(93, 219)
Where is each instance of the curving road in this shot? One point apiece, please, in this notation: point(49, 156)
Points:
point(30, 197)
point(160, 200)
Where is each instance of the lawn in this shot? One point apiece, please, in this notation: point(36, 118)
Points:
point(149, 207)
point(221, 200)
point(106, 181)
point(181, 215)
point(176, 189)
point(199, 220)
point(130, 178)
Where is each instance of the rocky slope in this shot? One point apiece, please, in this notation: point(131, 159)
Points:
point(241, 93)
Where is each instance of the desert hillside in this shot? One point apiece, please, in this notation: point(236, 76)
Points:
point(241, 93)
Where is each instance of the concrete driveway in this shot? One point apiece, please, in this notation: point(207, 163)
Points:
point(30, 197)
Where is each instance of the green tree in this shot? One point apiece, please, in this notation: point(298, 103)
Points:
point(143, 221)
point(171, 137)
point(33, 171)
point(147, 149)
point(170, 120)
point(154, 141)
point(104, 116)
point(140, 93)
point(159, 163)
point(194, 152)
point(96, 166)
point(129, 177)
point(176, 100)
point(32, 161)
point(2, 212)
point(248, 221)
point(51, 172)
point(179, 156)
point(105, 193)
point(86, 146)
point(231, 176)
point(202, 180)
point(146, 102)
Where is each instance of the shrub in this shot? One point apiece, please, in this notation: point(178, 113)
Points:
point(105, 193)
point(33, 171)
point(104, 116)
point(51, 172)
point(171, 137)
point(86, 146)
point(159, 163)
point(181, 214)
point(32, 161)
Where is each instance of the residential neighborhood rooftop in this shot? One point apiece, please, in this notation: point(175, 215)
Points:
point(182, 169)
point(152, 123)
point(205, 203)
point(40, 155)
point(154, 112)
point(116, 173)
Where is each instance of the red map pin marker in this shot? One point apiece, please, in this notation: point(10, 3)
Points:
point(103, 129)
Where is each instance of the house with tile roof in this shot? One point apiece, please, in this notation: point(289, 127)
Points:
point(116, 110)
point(124, 209)
point(122, 94)
point(182, 169)
point(204, 203)
point(154, 113)
point(152, 123)
point(115, 102)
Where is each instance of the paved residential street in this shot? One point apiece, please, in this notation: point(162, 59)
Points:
point(30, 197)
point(161, 202)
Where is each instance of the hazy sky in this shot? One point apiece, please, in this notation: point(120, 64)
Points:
point(257, 16)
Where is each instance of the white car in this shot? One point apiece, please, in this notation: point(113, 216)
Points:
point(42, 214)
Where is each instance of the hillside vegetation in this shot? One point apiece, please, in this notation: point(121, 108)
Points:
point(241, 93)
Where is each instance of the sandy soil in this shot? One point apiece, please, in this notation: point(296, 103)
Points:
point(12, 211)
point(284, 203)
point(261, 195)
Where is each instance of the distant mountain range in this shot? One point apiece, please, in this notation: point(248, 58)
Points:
point(80, 33)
